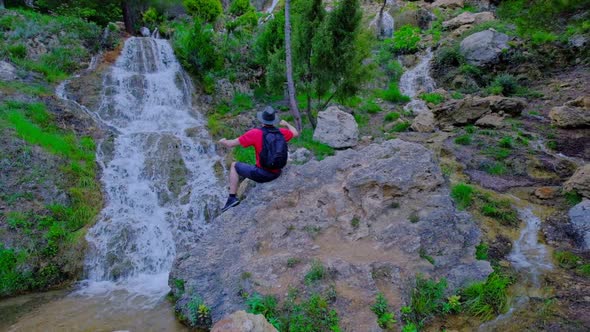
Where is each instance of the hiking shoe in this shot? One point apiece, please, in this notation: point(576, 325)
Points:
point(231, 202)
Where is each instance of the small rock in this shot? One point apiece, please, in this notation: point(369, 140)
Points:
point(545, 192)
point(336, 128)
point(484, 47)
point(366, 139)
point(472, 108)
point(468, 18)
point(300, 155)
point(240, 321)
point(7, 71)
point(578, 41)
point(450, 4)
point(574, 114)
point(580, 220)
point(580, 181)
point(145, 32)
point(424, 122)
point(245, 187)
point(491, 121)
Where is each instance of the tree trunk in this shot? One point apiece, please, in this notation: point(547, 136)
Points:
point(380, 29)
point(127, 16)
point(289, 64)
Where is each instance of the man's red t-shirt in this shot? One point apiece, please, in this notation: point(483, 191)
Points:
point(253, 137)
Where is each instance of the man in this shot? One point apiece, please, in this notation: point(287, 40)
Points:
point(257, 138)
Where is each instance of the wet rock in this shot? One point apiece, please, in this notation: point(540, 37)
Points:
point(470, 109)
point(468, 18)
point(449, 4)
point(240, 321)
point(545, 192)
point(484, 47)
point(336, 128)
point(574, 114)
point(578, 41)
point(145, 32)
point(424, 122)
point(7, 71)
point(580, 220)
point(491, 121)
point(352, 213)
point(580, 181)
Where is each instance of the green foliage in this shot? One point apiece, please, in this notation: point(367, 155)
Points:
point(18, 51)
point(481, 251)
point(426, 301)
point(400, 127)
point(305, 140)
point(584, 270)
point(244, 155)
point(506, 142)
point(497, 153)
point(572, 197)
point(566, 259)
point(449, 56)
point(12, 279)
point(391, 116)
point(393, 94)
point(487, 299)
point(456, 95)
point(385, 318)
point(406, 39)
point(424, 255)
point(371, 107)
point(434, 98)
point(205, 10)
point(263, 305)
point(100, 12)
point(495, 168)
point(500, 210)
point(293, 261)
point(464, 139)
point(151, 18)
point(199, 314)
point(32, 89)
point(462, 194)
point(505, 84)
point(315, 273)
point(240, 7)
point(543, 37)
point(410, 327)
point(194, 47)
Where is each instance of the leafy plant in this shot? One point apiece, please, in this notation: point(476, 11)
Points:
point(315, 273)
point(206, 10)
point(481, 251)
point(385, 318)
point(393, 94)
point(406, 39)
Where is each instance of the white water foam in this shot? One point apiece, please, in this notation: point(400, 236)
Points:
point(147, 100)
point(417, 80)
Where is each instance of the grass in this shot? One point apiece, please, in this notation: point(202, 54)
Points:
point(426, 301)
point(245, 155)
point(464, 139)
point(293, 261)
point(487, 299)
point(434, 98)
point(566, 259)
point(506, 142)
point(500, 210)
point(393, 94)
point(481, 251)
point(316, 272)
point(32, 89)
point(242, 102)
point(385, 317)
point(305, 140)
point(56, 228)
point(462, 194)
point(424, 255)
point(371, 107)
point(400, 127)
point(391, 116)
point(498, 153)
point(495, 168)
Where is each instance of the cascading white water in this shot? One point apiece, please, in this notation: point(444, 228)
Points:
point(417, 80)
point(272, 7)
point(158, 174)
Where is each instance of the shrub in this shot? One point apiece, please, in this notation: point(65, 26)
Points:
point(448, 57)
point(426, 300)
point(380, 308)
point(406, 39)
point(18, 51)
point(572, 197)
point(543, 37)
point(151, 18)
point(391, 116)
point(313, 315)
point(506, 142)
point(242, 102)
point(315, 273)
point(504, 84)
point(487, 299)
point(481, 251)
point(206, 10)
point(464, 139)
point(371, 107)
point(394, 95)
point(240, 7)
point(194, 46)
point(434, 98)
point(462, 194)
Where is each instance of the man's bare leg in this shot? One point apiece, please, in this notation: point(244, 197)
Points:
point(234, 179)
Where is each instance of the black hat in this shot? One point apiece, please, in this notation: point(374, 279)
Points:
point(268, 116)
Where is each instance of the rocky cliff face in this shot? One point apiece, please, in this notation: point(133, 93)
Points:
point(373, 217)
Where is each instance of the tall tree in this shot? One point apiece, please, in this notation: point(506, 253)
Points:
point(309, 18)
point(289, 65)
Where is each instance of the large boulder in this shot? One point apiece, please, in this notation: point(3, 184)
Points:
point(367, 215)
point(468, 18)
point(336, 128)
point(449, 4)
point(7, 71)
point(580, 181)
point(240, 321)
point(471, 108)
point(574, 114)
point(484, 47)
point(580, 221)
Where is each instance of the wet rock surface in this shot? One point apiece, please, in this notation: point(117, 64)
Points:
point(240, 321)
point(359, 213)
point(580, 220)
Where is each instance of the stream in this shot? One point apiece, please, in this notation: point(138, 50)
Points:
point(160, 186)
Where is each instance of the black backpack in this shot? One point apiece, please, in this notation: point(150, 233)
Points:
point(274, 152)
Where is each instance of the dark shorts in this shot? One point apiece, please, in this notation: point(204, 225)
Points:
point(255, 174)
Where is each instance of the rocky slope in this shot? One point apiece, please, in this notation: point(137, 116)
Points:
point(367, 215)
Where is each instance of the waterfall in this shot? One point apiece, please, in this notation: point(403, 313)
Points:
point(417, 80)
point(158, 173)
point(272, 7)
